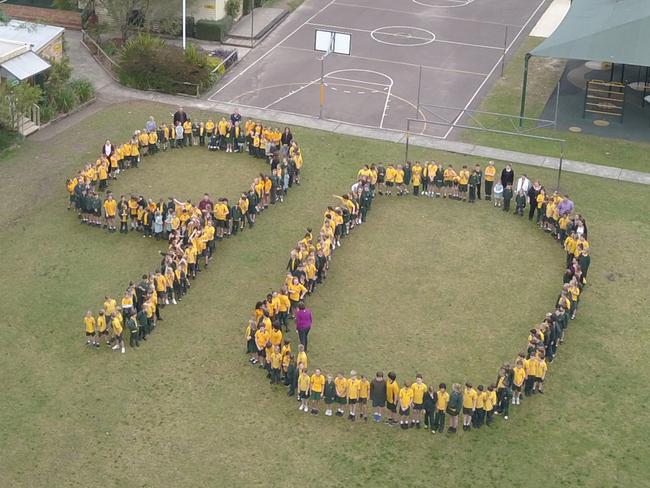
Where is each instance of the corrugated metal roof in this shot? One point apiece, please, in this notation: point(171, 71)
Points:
point(37, 35)
point(25, 65)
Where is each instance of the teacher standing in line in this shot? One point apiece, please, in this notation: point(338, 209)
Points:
point(303, 323)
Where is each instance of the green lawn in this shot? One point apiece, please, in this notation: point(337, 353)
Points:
point(543, 76)
point(438, 286)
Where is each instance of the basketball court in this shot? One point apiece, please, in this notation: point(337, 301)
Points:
point(456, 45)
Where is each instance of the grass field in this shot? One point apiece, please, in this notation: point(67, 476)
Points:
point(543, 77)
point(440, 286)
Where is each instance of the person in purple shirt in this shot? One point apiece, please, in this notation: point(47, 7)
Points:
point(303, 323)
point(565, 206)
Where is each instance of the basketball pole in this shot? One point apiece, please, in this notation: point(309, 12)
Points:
point(322, 86)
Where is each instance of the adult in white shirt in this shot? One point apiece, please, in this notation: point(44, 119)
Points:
point(523, 184)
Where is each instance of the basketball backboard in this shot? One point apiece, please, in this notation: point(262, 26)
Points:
point(332, 42)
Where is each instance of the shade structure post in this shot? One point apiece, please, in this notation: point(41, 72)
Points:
point(524, 88)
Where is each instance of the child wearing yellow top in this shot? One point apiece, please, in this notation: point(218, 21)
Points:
point(479, 414)
point(316, 385)
point(419, 389)
point(405, 401)
point(304, 383)
point(91, 334)
point(364, 393)
point(490, 404)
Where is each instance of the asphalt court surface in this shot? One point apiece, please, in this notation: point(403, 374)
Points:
point(458, 43)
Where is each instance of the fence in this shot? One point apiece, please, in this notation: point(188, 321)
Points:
point(110, 66)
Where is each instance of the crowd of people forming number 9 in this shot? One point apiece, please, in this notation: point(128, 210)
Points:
point(191, 229)
point(410, 402)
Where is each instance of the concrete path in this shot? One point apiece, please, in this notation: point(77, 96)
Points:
point(108, 91)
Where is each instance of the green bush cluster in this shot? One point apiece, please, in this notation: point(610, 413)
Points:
point(147, 63)
point(60, 93)
point(213, 30)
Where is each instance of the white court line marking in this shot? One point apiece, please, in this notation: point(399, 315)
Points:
point(390, 86)
point(292, 93)
point(274, 47)
point(445, 17)
point(437, 39)
point(232, 100)
point(425, 40)
point(403, 63)
point(494, 68)
point(461, 3)
point(401, 131)
point(357, 81)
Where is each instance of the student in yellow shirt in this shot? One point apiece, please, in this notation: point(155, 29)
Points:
point(518, 379)
point(110, 210)
point(261, 338)
point(102, 330)
point(364, 393)
point(91, 333)
point(542, 368)
point(341, 385)
point(275, 361)
point(405, 401)
point(442, 400)
point(392, 397)
point(469, 405)
point(116, 325)
point(490, 404)
point(354, 385)
point(304, 384)
point(479, 414)
point(449, 175)
point(317, 384)
point(399, 181)
point(419, 389)
point(489, 173)
point(463, 181)
point(391, 175)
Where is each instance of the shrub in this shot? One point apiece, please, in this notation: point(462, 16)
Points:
point(232, 8)
point(246, 6)
point(213, 30)
point(65, 99)
point(84, 90)
point(148, 64)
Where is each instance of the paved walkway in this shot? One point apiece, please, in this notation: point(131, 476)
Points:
point(108, 91)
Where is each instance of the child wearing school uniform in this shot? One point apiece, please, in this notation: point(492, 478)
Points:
point(520, 202)
point(353, 395)
point(329, 394)
point(479, 415)
point(341, 385)
point(276, 365)
point(364, 393)
point(405, 402)
point(304, 382)
point(490, 403)
point(429, 407)
point(91, 333)
point(498, 194)
point(378, 395)
point(507, 197)
point(518, 380)
point(419, 389)
point(442, 403)
point(317, 385)
point(470, 397)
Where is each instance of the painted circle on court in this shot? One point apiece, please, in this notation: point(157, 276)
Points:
point(402, 35)
point(443, 3)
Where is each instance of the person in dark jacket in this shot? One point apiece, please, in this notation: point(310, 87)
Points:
point(454, 407)
point(287, 137)
point(533, 191)
point(507, 176)
point(378, 395)
point(429, 405)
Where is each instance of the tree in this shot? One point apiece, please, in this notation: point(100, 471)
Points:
point(16, 100)
point(132, 15)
